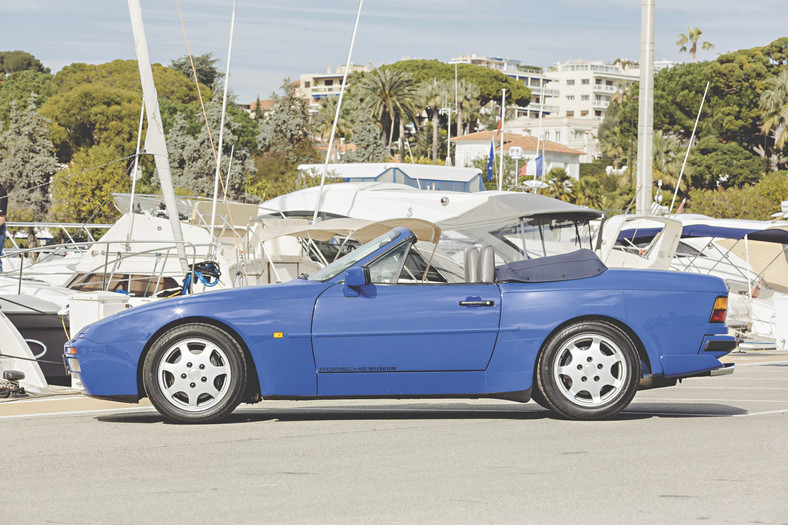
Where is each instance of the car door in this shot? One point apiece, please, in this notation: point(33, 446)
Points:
point(393, 327)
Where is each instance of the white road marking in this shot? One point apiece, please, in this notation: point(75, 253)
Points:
point(77, 412)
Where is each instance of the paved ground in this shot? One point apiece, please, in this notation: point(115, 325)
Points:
point(713, 450)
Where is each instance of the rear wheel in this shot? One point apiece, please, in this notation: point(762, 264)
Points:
point(588, 370)
point(195, 373)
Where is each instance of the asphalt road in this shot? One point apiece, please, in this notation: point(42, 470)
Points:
point(711, 450)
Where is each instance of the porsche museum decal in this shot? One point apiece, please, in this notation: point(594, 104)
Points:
point(357, 369)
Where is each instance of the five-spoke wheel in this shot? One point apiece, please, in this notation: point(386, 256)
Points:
point(588, 370)
point(195, 373)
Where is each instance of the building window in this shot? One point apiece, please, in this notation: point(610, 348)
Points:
point(570, 82)
point(329, 82)
point(547, 135)
point(570, 113)
point(585, 81)
point(584, 113)
point(558, 136)
point(307, 84)
point(583, 97)
point(579, 135)
point(570, 97)
point(597, 113)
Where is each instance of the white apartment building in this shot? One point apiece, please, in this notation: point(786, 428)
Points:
point(587, 87)
point(315, 86)
point(535, 78)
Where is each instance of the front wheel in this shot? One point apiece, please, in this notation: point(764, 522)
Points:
point(588, 370)
point(195, 373)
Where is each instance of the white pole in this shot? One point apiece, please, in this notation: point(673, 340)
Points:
point(336, 116)
point(134, 175)
point(456, 109)
point(221, 126)
point(692, 137)
point(644, 194)
point(155, 143)
point(503, 112)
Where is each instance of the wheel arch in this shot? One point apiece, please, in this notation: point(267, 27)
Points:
point(253, 383)
point(639, 346)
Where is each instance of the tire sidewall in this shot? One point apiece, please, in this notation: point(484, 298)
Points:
point(550, 390)
point(236, 362)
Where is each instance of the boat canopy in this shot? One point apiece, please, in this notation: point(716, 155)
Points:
point(502, 207)
point(360, 229)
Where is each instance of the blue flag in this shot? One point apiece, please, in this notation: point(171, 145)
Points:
point(539, 170)
point(490, 160)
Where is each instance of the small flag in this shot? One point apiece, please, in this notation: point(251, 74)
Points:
point(538, 162)
point(500, 120)
point(490, 160)
point(524, 171)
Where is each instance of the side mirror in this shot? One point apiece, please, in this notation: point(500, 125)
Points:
point(355, 278)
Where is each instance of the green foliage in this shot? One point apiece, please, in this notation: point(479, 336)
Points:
point(204, 65)
point(390, 96)
point(284, 142)
point(559, 185)
point(713, 162)
point(19, 86)
point(750, 202)
point(489, 81)
point(81, 192)
point(369, 146)
point(192, 158)
point(27, 161)
point(100, 104)
point(13, 61)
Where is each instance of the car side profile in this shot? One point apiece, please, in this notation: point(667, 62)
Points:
point(390, 320)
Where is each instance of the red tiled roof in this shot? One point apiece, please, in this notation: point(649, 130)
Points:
point(528, 143)
point(264, 104)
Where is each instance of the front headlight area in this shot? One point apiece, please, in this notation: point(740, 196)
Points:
point(72, 360)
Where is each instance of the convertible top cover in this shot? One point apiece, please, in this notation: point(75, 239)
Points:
point(579, 264)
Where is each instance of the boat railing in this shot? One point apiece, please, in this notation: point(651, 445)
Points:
point(13, 229)
point(110, 255)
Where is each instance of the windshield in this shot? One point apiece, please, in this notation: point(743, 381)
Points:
point(340, 265)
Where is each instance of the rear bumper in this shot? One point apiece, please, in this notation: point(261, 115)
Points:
point(720, 345)
point(726, 370)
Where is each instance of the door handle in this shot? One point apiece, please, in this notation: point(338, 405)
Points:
point(477, 303)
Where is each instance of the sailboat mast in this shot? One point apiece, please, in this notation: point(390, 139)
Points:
point(154, 139)
point(645, 178)
point(221, 129)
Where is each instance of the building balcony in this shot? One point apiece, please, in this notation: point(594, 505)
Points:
point(601, 88)
point(600, 104)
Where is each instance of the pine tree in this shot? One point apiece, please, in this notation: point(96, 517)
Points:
point(27, 162)
point(369, 144)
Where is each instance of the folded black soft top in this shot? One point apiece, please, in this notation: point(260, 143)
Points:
point(579, 264)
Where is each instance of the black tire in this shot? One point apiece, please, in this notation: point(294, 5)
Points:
point(195, 373)
point(538, 398)
point(588, 370)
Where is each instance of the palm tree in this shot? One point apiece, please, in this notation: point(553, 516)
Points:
point(774, 112)
point(689, 42)
point(466, 92)
point(390, 96)
point(668, 160)
point(431, 97)
point(324, 120)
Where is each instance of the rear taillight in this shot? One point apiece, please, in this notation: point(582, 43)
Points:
point(720, 311)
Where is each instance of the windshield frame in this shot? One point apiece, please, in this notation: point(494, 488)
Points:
point(337, 267)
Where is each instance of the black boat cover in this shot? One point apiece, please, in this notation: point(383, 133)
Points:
point(579, 264)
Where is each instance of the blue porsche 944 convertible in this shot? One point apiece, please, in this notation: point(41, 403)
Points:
point(390, 320)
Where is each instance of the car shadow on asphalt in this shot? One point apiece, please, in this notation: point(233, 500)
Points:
point(635, 411)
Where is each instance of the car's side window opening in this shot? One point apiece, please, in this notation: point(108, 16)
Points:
point(405, 264)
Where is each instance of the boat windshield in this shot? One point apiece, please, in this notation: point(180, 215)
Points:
point(340, 265)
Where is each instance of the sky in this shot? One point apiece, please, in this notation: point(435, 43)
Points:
point(278, 40)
